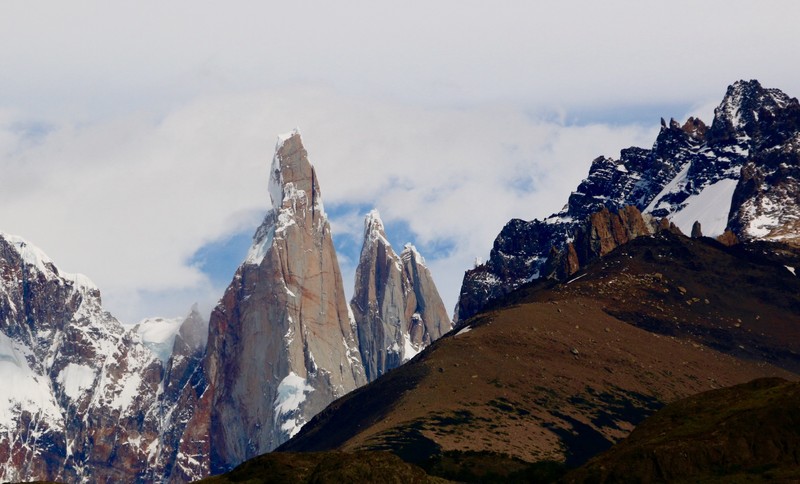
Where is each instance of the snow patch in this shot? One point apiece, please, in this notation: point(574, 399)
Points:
point(373, 222)
point(262, 241)
point(791, 269)
point(75, 379)
point(374, 231)
point(710, 207)
point(410, 251)
point(764, 217)
point(409, 349)
point(559, 218)
point(675, 185)
point(465, 329)
point(760, 226)
point(130, 389)
point(158, 334)
point(292, 392)
point(23, 389)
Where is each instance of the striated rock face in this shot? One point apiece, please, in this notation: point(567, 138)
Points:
point(282, 344)
point(396, 306)
point(740, 174)
point(603, 232)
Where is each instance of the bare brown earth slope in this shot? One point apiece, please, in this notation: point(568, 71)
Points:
point(560, 372)
point(745, 433)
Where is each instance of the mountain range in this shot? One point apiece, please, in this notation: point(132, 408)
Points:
point(576, 329)
point(176, 400)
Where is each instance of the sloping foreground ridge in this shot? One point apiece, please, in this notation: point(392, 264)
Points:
point(746, 433)
point(558, 372)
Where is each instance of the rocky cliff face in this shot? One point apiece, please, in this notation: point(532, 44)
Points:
point(79, 400)
point(182, 452)
point(739, 174)
point(603, 232)
point(282, 344)
point(397, 309)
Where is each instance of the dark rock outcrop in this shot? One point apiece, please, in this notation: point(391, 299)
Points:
point(697, 230)
point(603, 232)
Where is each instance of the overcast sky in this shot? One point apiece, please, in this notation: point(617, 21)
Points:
point(135, 137)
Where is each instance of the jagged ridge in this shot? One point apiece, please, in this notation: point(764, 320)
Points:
point(740, 174)
point(396, 306)
point(82, 399)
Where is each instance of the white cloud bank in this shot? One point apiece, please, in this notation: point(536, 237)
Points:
point(132, 135)
point(129, 201)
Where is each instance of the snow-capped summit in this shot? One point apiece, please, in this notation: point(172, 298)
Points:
point(740, 174)
point(34, 256)
point(396, 306)
point(411, 254)
point(374, 231)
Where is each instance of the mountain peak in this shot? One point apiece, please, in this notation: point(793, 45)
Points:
point(35, 257)
point(291, 174)
point(295, 194)
point(282, 325)
point(396, 306)
point(410, 253)
point(744, 106)
point(374, 225)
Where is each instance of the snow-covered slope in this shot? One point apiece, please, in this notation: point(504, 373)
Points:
point(741, 173)
point(80, 394)
point(81, 406)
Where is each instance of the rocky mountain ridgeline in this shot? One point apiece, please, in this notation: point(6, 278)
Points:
point(556, 372)
point(739, 175)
